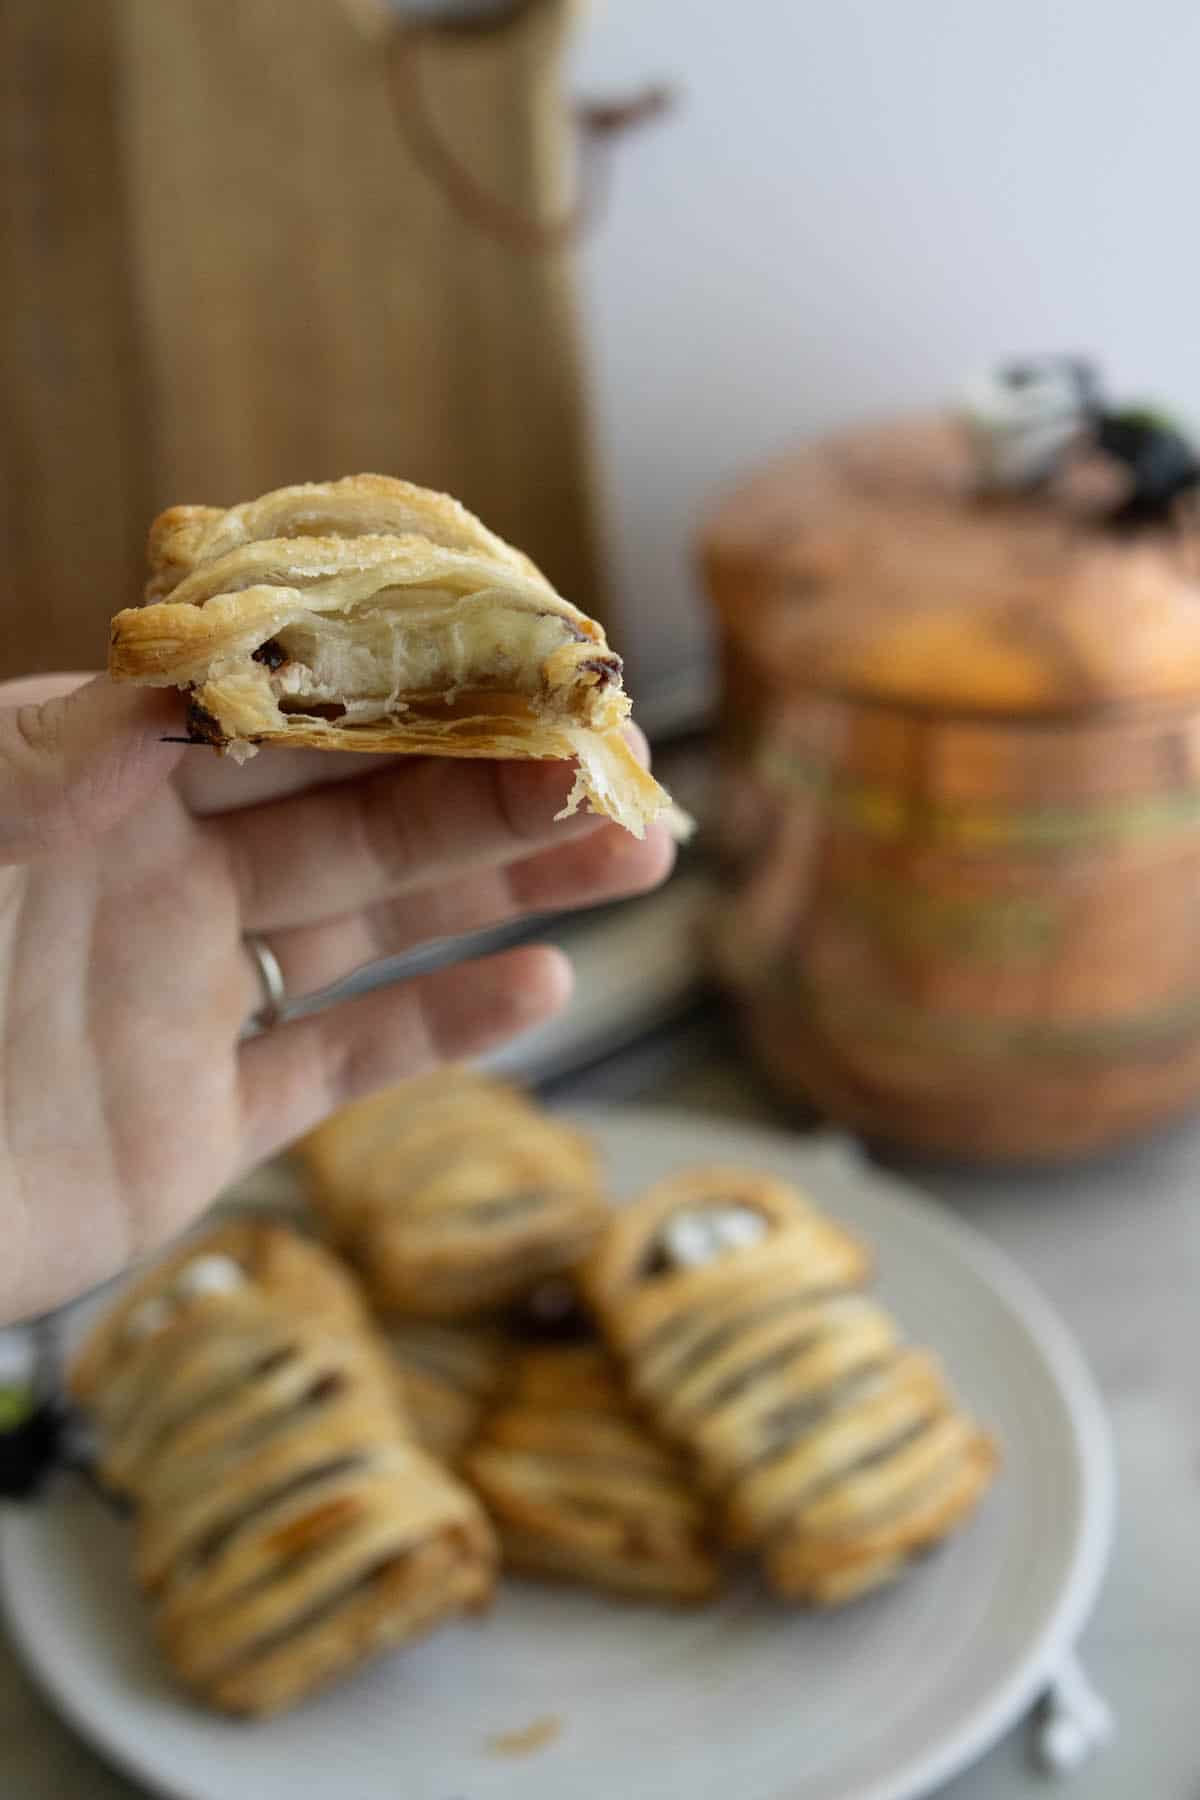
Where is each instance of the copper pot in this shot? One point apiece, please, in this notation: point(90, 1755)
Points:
point(962, 801)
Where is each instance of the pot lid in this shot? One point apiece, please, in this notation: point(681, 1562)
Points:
point(876, 563)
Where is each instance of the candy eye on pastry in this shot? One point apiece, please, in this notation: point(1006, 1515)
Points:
point(739, 1219)
point(368, 614)
point(694, 1236)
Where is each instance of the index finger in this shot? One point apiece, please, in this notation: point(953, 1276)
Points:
point(319, 855)
point(212, 783)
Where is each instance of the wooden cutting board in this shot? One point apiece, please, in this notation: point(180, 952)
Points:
point(222, 269)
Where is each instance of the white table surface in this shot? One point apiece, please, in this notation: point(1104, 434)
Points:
point(1116, 1246)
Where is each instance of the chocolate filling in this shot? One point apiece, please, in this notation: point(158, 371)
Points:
point(766, 1364)
point(215, 1540)
point(272, 653)
point(223, 1390)
point(282, 1417)
point(670, 1339)
point(202, 727)
point(316, 1614)
point(551, 1313)
point(606, 670)
point(787, 1424)
point(816, 1413)
point(878, 1453)
point(295, 704)
point(326, 1387)
point(503, 1206)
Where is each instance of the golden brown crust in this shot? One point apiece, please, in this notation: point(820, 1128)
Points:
point(801, 1254)
point(454, 1195)
point(278, 1266)
point(578, 1489)
point(335, 1154)
point(829, 1564)
point(359, 505)
point(369, 614)
point(836, 1452)
point(286, 1524)
point(172, 547)
point(403, 1602)
point(448, 1375)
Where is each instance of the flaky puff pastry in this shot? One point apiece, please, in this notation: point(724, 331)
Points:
point(448, 1375)
point(287, 1525)
point(833, 1450)
point(369, 614)
point(578, 1488)
point(453, 1194)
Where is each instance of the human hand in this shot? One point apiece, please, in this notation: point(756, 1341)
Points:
point(130, 868)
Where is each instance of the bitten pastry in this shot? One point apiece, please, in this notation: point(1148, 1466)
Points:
point(453, 1194)
point(369, 614)
point(449, 1375)
point(286, 1524)
point(835, 1451)
point(578, 1488)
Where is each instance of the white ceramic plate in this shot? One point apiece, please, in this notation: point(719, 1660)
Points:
point(742, 1701)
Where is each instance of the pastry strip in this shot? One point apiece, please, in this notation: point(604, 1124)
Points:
point(579, 1489)
point(448, 1375)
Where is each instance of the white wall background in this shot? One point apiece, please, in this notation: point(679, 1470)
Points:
point(856, 205)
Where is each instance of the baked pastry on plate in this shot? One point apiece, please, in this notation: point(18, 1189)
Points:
point(449, 1375)
point(369, 614)
point(287, 1525)
point(834, 1450)
point(579, 1488)
point(453, 1194)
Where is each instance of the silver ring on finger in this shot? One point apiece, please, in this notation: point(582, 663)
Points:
point(270, 977)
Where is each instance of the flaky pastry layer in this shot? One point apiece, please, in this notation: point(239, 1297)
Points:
point(368, 614)
point(579, 1489)
point(454, 1194)
point(448, 1375)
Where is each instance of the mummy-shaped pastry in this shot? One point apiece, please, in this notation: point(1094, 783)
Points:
point(454, 1194)
point(368, 614)
point(449, 1375)
point(579, 1488)
point(833, 1450)
point(286, 1523)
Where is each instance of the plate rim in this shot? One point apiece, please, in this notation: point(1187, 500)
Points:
point(1051, 1645)
point(988, 1721)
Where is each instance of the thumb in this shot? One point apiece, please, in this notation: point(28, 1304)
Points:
point(75, 763)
